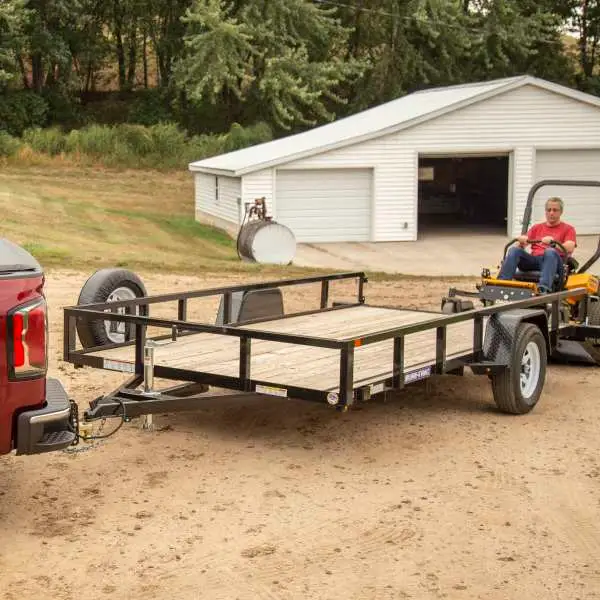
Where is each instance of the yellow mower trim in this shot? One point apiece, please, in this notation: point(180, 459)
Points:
point(529, 285)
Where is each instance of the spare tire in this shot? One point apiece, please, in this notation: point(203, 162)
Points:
point(109, 285)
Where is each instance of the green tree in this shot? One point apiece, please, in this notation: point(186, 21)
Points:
point(420, 43)
point(164, 26)
point(583, 21)
point(12, 14)
point(278, 60)
point(47, 32)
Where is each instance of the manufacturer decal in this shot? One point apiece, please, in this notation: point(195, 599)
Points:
point(117, 365)
point(333, 398)
point(271, 391)
point(417, 375)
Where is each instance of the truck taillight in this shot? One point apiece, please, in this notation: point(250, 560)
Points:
point(27, 339)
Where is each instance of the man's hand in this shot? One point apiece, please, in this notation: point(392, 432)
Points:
point(569, 247)
point(547, 240)
point(522, 241)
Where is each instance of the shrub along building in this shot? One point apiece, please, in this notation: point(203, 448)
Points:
point(459, 157)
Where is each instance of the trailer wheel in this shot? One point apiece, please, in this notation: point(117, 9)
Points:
point(518, 388)
point(109, 285)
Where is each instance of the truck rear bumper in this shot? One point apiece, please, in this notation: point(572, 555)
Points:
point(49, 428)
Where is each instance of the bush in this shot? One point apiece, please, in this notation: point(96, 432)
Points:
point(240, 137)
point(63, 109)
point(21, 110)
point(48, 141)
point(96, 140)
point(104, 108)
point(204, 146)
point(168, 140)
point(161, 146)
point(150, 107)
point(8, 144)
point(137, 139)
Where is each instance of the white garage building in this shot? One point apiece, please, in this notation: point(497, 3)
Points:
point(462, 156)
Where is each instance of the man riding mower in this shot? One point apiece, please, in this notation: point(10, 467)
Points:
point(540, 263)
point(552, 243)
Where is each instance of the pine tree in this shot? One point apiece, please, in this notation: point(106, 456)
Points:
point(280, 58)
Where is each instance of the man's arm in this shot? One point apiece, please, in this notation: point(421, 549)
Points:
point(569, 246)
point(530, 235)
point(570, 242)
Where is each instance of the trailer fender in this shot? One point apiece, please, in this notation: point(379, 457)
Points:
point(501, 329)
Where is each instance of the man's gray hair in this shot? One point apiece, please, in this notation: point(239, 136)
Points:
point(556, 200)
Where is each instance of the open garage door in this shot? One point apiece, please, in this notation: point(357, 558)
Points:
point(325, 205)
point(463, 193)
point(582, 205)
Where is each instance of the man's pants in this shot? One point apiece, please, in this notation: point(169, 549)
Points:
point(549, 264)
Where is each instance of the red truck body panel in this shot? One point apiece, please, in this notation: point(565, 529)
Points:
point(16, 396)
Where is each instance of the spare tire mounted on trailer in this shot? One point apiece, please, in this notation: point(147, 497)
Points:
point(109, 285)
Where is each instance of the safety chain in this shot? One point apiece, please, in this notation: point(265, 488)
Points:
point(75, 424)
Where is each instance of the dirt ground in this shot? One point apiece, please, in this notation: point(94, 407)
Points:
point(430, 494)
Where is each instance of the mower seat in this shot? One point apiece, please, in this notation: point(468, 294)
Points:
point(534, 276)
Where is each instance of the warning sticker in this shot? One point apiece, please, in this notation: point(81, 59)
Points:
point(117, 365)
point(271, 391)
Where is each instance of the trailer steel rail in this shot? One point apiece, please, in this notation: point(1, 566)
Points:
point(348, 389)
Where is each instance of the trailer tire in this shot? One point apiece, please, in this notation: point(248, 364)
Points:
point(517, 389)
point(108, 285)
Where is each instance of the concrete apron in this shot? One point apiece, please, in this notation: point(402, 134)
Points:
point(443, 255)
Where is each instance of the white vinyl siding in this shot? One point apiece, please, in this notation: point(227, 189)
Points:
point(518, 122)
point(225, 206)
point(582, 204)
point(258, 185)
point(326, 205)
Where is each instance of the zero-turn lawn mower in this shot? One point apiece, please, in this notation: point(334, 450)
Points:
point(579, 316)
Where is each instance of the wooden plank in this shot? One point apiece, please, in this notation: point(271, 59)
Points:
point(355, 321)
point(309, 366)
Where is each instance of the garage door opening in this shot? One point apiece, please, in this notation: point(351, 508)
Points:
point(461, 193)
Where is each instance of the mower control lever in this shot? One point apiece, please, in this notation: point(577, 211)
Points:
point(553, 244)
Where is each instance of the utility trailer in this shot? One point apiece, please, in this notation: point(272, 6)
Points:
point(340, 353)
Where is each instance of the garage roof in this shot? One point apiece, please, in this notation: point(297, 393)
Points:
point(387, 118)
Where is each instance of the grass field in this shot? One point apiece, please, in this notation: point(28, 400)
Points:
point(88, 218)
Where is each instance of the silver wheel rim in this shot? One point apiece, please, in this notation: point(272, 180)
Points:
point(531, 364)
point(115, 330)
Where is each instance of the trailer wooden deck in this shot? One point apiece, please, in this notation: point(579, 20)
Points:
point(286, 364)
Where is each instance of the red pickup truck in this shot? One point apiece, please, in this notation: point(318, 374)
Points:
point(36, 414)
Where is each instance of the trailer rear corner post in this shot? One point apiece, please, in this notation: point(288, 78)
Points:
point(346, 399)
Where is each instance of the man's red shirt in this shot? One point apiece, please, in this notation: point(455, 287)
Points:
point(561, 232)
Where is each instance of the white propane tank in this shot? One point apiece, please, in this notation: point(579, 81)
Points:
point(263, 240)
point(266, 242)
